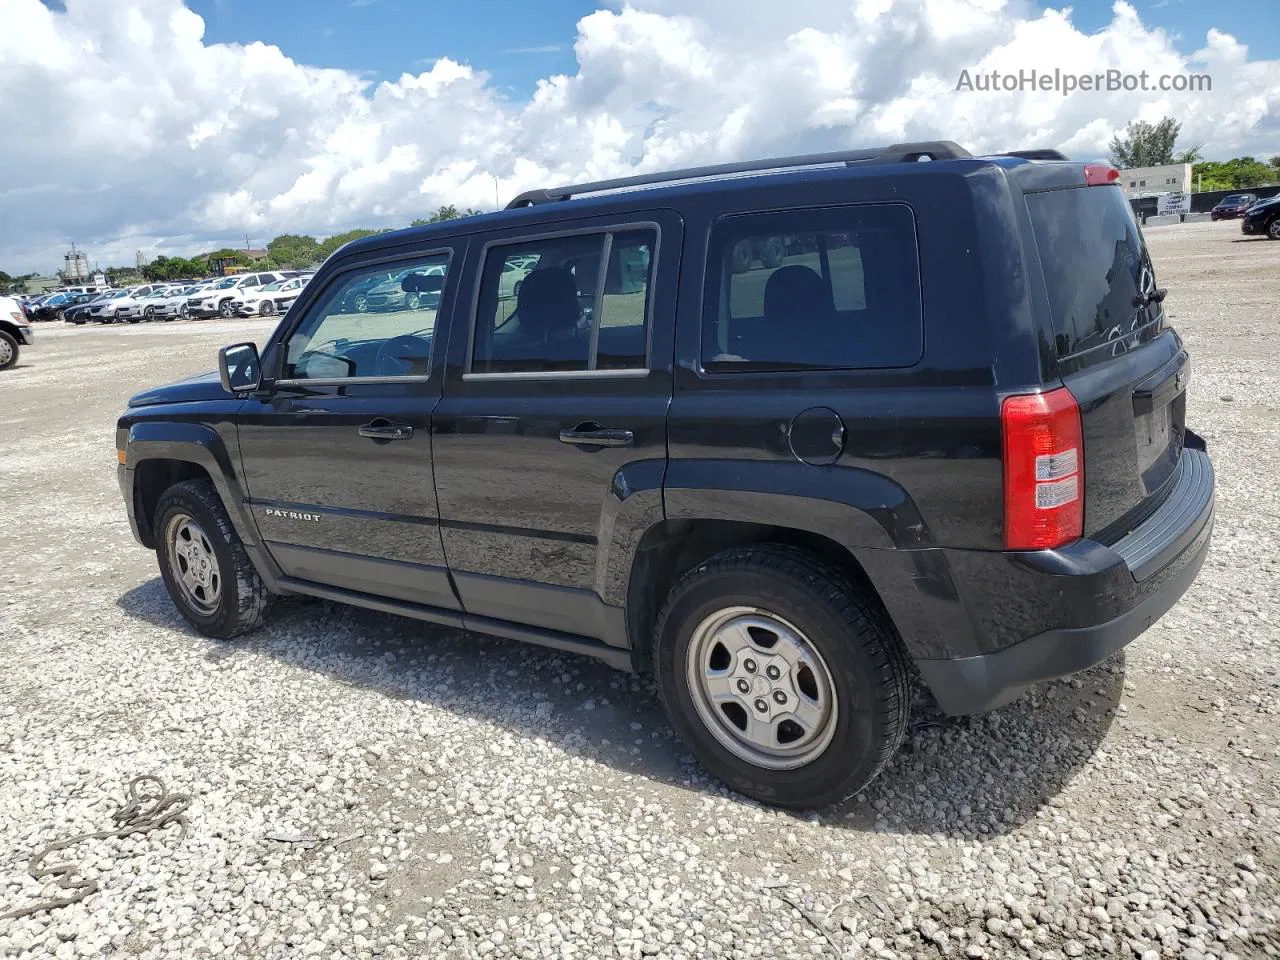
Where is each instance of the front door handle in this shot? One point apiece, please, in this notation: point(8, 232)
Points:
point(594, 435)
point(384, 430)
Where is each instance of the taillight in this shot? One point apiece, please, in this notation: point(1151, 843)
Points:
point(1100, 174)
point(1043, 470)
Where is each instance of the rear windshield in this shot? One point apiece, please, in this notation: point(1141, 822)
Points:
point(1095, 265)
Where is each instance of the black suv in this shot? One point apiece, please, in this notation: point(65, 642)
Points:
point(776, 433)
point(1262, 219)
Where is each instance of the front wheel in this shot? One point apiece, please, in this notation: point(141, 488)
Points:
point(8, 350)
point(205, 568)
point(267, 308)
point(149, 314)
point(361, 303)
point(1273, 231)
point(785, 679)
point(184, 312)
point(224, 309)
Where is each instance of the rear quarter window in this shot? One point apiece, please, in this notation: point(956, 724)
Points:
point(1095, 266)
point(831, 288)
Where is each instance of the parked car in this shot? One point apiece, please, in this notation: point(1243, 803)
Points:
point(172, 305)
point(217, 299)
point(1232, 207)
point(80, 313)
point(267, 301)
point(108, 309)
point(701, 474)
point(57, 307)
point(15, 331)
point(1263, 219)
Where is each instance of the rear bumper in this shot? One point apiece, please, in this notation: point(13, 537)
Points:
point(1090, 600)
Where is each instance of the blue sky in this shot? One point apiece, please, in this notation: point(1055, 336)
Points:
point(520, 41)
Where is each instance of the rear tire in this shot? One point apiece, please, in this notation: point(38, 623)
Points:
point(831, 711)
point(203, 563)
point(8, 350)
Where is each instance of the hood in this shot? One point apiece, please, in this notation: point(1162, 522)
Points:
point(204, 386)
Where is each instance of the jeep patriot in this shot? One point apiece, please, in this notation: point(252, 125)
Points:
point(781, 434)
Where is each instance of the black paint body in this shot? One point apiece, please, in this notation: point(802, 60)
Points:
point(484, 518)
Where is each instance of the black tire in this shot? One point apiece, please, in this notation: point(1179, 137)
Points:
point(361, 303)
point(184, 312)
point(224, 310)
point(243, 598)
point(149, 314)
point(849, 630)
point(1273, 229)
point(60, 315)
point(11, 354)
point(774, 253)
point(267, 308)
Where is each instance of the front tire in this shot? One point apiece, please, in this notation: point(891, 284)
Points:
point(267, 308)
point(1273, 231)
point(785, 679)
point(204, 566)
point(149, 314)
point(8, 350)
point(224, 310)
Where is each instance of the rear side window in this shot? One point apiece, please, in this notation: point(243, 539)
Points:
point(800, 289)
point(1095, 268)
point(547, 306)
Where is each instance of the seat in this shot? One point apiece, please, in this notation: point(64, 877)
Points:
point(799, 317)
point(548, 337)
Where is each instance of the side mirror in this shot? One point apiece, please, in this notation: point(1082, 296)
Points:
point(239, 367)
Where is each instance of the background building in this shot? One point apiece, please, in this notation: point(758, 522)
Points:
point(77, 266)
point(1150, 181)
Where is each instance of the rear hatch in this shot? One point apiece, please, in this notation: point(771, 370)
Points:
point(1125, 367)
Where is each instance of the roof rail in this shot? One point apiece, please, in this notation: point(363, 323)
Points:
point(898, 153)
point(1037, 154)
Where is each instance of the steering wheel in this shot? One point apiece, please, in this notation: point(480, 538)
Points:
point(399, 356)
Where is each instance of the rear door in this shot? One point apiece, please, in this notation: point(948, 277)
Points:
point(1125, 367)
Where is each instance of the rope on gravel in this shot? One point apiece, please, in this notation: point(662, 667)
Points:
point(140, 814)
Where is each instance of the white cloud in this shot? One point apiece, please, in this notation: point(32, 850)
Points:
point(122, 128)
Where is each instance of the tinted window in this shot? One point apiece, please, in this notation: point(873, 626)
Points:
point(835, 288)
point(547, 306)
point(370, 323)
point(1095, 264)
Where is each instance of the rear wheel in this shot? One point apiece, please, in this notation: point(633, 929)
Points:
point(785, 679)
point(8, 350)
point(205, 569)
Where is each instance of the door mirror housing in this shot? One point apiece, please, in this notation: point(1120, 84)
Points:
point(240, 367)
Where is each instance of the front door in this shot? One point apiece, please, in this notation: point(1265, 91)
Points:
point(555, 401)
point(337, 458)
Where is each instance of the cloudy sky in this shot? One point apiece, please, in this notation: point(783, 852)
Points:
point(173, 127)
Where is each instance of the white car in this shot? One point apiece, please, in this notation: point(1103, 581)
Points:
point(172, 305)
point(15, 331)
point(269, 300)
point(216, 300)
point(131, 307)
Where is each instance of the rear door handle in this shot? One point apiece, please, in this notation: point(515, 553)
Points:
point(594, 435)
point(384, 430)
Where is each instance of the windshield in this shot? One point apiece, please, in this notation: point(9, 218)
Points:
point(223, 284)
point(1238, 198)
point(273, 286)
point(119, 293)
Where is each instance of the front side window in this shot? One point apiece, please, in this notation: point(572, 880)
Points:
point(566, 304)
point(375, 322)
point(835, 288)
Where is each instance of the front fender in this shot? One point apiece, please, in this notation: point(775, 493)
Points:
point(189, 443)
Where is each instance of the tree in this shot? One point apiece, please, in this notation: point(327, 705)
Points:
point(173, 268)
point(228, 253)
point(294, 250)
point(1237, 174)
point(1145, 144)
point(331, 244)
point(448, 212)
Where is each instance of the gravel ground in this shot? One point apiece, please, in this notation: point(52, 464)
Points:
point(368, 786)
